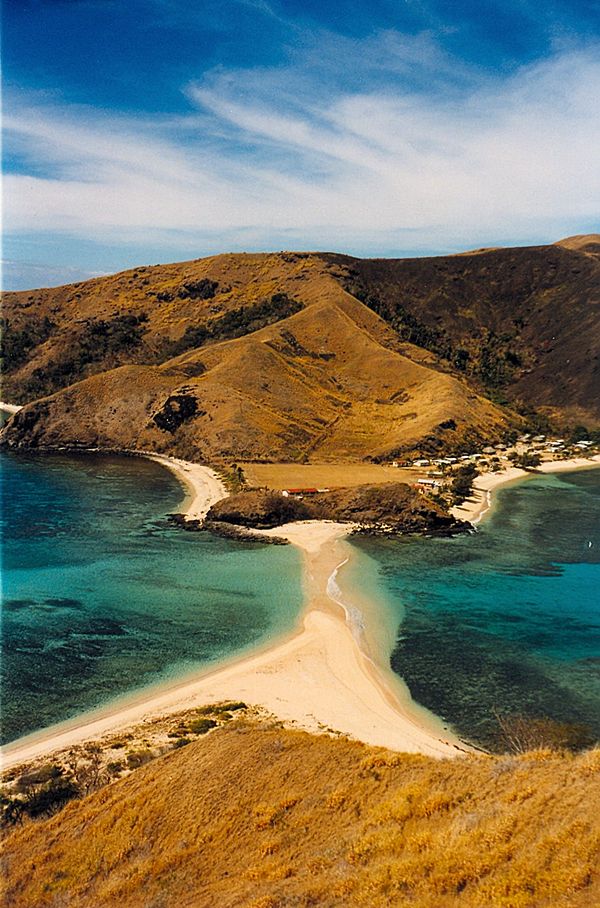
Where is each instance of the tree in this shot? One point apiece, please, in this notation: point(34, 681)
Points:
point(579, 433)
point(526, 461)
point(462, 483)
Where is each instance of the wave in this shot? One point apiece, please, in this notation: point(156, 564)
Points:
point(354, 617)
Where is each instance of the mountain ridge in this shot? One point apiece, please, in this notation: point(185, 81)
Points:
point(308, 356)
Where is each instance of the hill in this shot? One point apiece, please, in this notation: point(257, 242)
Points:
point(308, 357)
point(583, 242)
point(393, 508)
point(522, 324)
point(324, 379)
point(259, 817)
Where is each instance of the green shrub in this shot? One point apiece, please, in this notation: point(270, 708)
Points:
point(526, 461)
point(51, 798)
point(137, 758)
point(462, 483)
point(201, 726)
point(230, 706)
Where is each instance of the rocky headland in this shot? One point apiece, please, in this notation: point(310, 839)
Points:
point(389, 509)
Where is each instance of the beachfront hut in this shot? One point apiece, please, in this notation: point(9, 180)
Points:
point(300, 493)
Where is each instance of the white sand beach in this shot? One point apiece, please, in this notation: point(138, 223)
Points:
point(10, 408)
point(479, 503)
point(318, 678)
point(202, 485)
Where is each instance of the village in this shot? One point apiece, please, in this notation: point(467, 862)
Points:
point(527, 452)
point(436, 475)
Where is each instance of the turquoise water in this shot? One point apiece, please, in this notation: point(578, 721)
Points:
point(101, 595)
point(507, 619)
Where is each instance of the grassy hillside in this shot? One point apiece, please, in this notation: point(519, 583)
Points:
point(264, 817)
point(56, 336)
point(309, 357)
point(523, 323)
point(327, 382)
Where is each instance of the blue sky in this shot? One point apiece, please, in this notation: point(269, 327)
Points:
point(143, 131)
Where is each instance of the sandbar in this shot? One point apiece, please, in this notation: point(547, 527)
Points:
point(317, 679)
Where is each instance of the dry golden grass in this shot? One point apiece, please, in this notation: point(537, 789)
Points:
point(581, 242)
point(264, 817)
point(330, 383)
point(324, 475)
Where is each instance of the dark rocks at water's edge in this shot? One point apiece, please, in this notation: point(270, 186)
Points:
point(191, 526)
point(391, 509)
point(225, 530)
point(242, 534)
point(441, 530)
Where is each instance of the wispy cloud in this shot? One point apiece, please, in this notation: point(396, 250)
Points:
point(350, 143)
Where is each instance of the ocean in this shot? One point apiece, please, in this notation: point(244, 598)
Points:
point(505, 621)
point(103, 596)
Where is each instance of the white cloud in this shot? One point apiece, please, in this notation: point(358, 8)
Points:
point(276, 157)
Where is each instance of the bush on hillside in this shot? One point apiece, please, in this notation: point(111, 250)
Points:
point(201, 726)
point(519, 734)
point(16, 345)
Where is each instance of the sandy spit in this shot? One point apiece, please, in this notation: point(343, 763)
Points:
point(317, 678)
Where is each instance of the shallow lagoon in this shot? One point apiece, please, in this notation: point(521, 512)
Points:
point(102, 596)
point(507, 619)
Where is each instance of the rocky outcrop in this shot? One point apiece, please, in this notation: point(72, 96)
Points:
point(241, 534)
point(226, 530)
point(261, 510)
point(390, 509)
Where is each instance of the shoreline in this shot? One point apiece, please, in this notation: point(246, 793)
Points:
point(480, 504)
point(202, 485)
point(318, 677)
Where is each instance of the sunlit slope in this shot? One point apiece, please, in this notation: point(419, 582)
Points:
point(61, 334)
point(323, 383)
point(268, 818)
point(582, 242)
point(309, 356)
